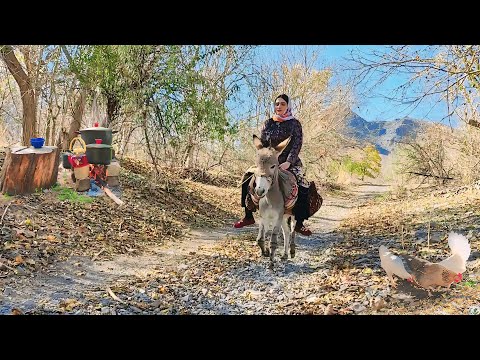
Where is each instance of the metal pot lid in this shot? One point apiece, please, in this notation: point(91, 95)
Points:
point(96, 129)
point(99, 146)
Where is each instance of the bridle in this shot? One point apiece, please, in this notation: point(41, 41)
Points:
point(270, 179)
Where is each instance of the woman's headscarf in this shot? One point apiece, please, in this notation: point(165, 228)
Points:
point(287, 115)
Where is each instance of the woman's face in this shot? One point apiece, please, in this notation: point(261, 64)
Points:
point(280, 106)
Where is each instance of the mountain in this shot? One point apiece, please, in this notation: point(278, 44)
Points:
point(384, 134)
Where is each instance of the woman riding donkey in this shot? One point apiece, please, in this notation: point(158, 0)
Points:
point(275, 130)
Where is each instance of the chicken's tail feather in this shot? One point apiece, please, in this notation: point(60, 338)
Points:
point(459, 245)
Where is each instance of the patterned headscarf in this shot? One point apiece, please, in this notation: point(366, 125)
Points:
point(287, 115)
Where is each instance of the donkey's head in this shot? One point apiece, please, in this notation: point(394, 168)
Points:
point(266, 161)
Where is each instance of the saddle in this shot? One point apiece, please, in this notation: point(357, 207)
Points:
point(288, 187)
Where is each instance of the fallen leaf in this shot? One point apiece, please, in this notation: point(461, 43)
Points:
point(69, 304)
point(115, 297)
point(8, 246)
point(367, 271)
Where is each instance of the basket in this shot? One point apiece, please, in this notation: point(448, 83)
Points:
point(315, 200)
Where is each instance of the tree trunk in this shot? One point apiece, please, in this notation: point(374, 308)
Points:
point(78, 112)
point(189, 161)
point(113, 106)
point(79, 109)
point(27, 93)
point(27, 170)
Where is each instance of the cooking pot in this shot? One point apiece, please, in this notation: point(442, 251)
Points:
point(97, 132)
point(66, 164)
point(99, 154)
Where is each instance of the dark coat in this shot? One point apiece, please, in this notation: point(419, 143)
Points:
point(274, 133)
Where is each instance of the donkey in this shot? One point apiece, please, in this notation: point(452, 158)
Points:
point(272, 203)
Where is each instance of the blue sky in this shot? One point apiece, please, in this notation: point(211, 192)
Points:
point(374, 106)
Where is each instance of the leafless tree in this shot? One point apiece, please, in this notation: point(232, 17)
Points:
point(444, 73)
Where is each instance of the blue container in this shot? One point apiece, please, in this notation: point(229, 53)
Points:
point(37, 143)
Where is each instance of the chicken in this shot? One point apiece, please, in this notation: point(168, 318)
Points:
point(425, 273)
point(429, 275)
point(393, 265)
point(460, 249)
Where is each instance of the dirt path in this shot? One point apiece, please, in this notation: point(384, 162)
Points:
point(212, 272)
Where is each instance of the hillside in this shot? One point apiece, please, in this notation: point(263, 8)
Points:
point(384, 134)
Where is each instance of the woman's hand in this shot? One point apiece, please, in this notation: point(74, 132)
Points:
point(285, 165)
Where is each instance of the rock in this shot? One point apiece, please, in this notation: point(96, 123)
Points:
point(135, 309)
point(377, 303)
point(8, 291)
point(253, 294)
point(474, 310)
point(199, 272)
point(22, 271)
point(105, 302)
point(29, 234)
point(401, 296)
point(436, 237)
point(474, 255)
point(358, 308)
point(329, 310)
point(105, 310)
point(312, 299)
point(361, 260)
point(29, 305)
point(421, 234)
point(156, 303)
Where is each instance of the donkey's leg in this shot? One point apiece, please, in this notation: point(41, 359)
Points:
point(293, 222)
point(286, 236)
point(274, 237)
point(261, 238)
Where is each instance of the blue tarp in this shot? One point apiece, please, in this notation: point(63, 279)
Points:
point(95, 190)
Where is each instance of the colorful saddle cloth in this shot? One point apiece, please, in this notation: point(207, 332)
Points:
point(288, 187)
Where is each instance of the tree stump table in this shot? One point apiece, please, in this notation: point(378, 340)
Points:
point(26, 169)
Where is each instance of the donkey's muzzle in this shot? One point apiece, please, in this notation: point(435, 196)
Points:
point(260, 192)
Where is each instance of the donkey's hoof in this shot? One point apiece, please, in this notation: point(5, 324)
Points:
point(285, 257)
point(266, 253)
point(292, 253)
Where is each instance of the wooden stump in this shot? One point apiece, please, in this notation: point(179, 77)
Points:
point(26, 169)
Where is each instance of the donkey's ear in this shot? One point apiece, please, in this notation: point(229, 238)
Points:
point(257, 142)
point(280, 147)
